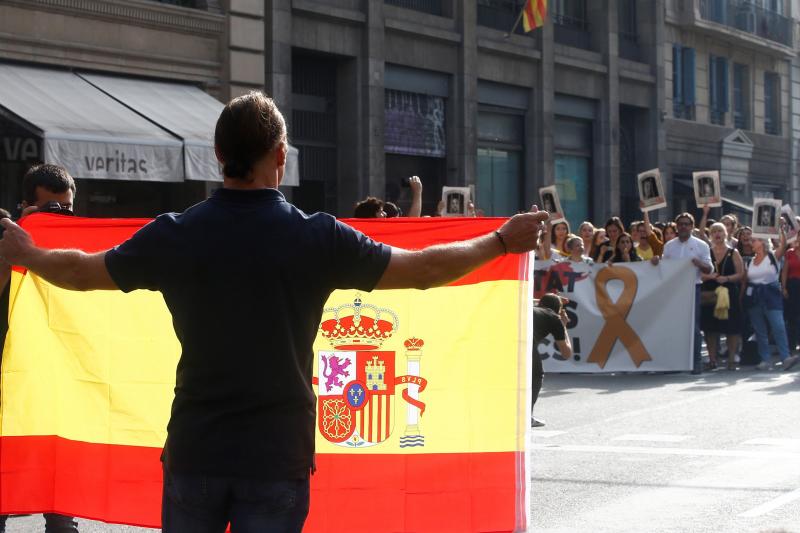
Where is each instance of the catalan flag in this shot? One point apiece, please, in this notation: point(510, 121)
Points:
point(422, 395)
point(533, 14)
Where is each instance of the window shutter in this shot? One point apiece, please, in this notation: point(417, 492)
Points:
point(712, 82)
point(723, 63)
point(688, 76)
point(677, 74)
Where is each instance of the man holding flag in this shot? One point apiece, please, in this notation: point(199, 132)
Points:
point(243, 416)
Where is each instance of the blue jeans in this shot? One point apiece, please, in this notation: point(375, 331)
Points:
point(53, 523)
point(196, 503)
point(760, 316)
point(698, 356)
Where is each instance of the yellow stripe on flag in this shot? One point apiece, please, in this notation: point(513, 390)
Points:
point(73, 375)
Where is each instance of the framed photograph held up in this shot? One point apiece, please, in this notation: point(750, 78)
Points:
point(456, 201)
point(707, 188)
point(789, 223)
point(766, 218)
point(551, 203)
point(651, 190)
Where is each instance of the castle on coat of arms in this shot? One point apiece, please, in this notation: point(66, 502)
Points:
point(375, 371)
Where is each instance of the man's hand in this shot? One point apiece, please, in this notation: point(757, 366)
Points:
point(16, 246)
point(521, 233)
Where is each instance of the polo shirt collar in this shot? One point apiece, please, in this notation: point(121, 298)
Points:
point(247, 195)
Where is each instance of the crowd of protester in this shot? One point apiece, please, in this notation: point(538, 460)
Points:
point(751, 292)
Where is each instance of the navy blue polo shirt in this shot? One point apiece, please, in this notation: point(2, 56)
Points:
point(245, 275)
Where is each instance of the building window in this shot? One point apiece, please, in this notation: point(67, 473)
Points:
point(501, 15)
point(772, 103)
point(498, 188)
point(433, 7)
point(414, 124)
point(571, 26)
point(683, 83)
point(573, 141)
point(717, 89)
point(628, 33)
point(741, 96)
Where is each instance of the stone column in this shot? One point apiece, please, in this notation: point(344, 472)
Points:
point(374, 157)
point(539, 119)
point(462, 153)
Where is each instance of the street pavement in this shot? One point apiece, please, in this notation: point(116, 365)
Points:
point(719, 452)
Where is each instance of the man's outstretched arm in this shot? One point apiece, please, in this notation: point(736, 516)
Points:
point(68, 269)
point(441, 264)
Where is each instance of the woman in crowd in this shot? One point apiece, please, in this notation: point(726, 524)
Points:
point(731, 226)
point(586, 232)
point(728, 273)
point(744, 244)
point(670, 231)
point(614, 229)
point(649, 242)
point(558, 237)
point(577, 251)
point(764, 302)
point(790, 283)
point(624, 251)
point(598, 239)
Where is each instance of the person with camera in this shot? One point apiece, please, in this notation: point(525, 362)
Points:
point(240, 439)
point(45, 189)
point(549, 318)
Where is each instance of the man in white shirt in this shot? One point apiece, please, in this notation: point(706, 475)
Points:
point(686, 246)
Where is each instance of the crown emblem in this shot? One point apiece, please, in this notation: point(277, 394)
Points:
point(365, 329)
point(414, 344)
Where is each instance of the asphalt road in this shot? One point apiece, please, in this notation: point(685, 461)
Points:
point(718, 452)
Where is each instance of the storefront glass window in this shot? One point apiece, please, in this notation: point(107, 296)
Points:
point(498, 184)
point(572, 181)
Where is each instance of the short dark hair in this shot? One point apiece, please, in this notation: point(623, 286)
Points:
point(550, 301)
point(248, 128)
point(368, 208)
point(53, 178)
point(392, 210)
point(684, 215)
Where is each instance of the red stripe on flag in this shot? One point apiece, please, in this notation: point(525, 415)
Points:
point(388, 416)
point(369, 422)
point(95, 235)
point(425, 493)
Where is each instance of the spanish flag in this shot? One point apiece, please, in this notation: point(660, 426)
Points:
point(423, 396)
point(533, 14)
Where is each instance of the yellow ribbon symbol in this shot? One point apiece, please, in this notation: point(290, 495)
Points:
point(615, 314)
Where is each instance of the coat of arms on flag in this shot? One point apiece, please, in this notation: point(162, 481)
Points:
point(357, 382)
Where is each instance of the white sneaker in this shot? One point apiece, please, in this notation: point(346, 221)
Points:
point(790, 361)
point(536, 423)
point(763, 365)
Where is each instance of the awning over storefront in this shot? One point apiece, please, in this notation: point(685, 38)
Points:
point(86, 131)
point(109, 127)
point(183, 110)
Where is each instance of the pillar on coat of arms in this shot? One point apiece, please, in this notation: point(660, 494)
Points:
point(412, 436)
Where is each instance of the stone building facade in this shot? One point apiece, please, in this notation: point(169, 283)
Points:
point(378, 90)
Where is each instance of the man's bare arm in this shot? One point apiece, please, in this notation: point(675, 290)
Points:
point(69, 269)
point(441, 264)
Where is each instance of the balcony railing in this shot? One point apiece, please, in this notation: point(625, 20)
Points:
point(746, 16)
point(195, 4)
point(741, 120)
point(433, 7)
point(572, 31)
point(500, 14)
point(717, 117)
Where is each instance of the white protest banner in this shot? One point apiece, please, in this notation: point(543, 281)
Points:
point(634, 317)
